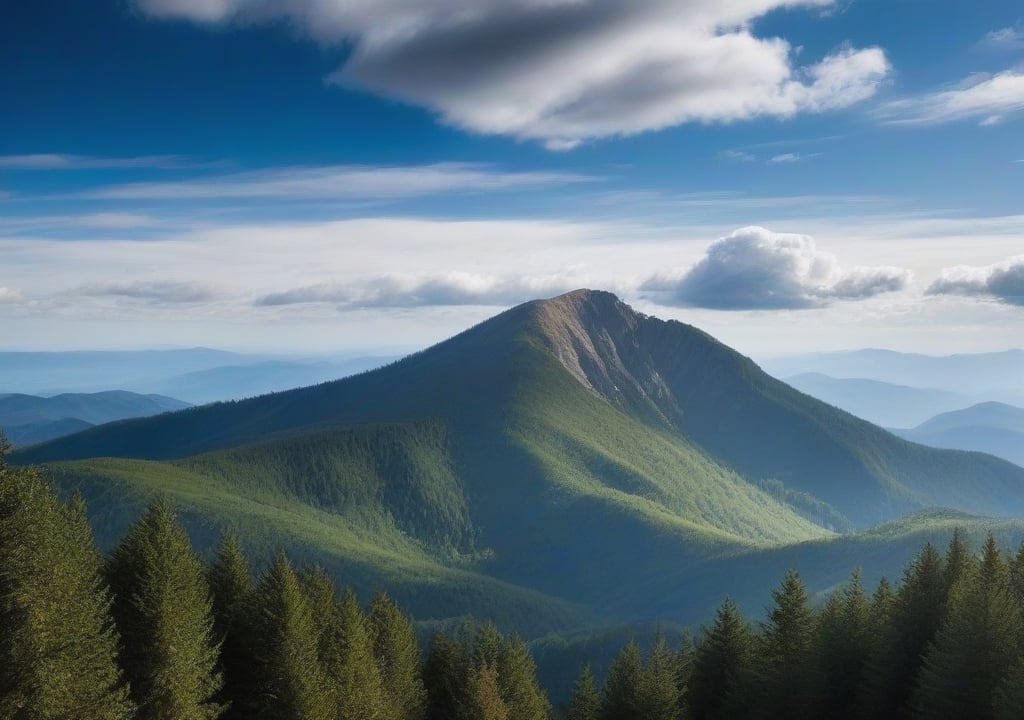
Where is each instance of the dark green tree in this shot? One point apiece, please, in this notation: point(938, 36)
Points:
point(659, 689)
point(622, 698)
point(397, 653)
point(959, 561)
point(1009, 697)
point(786, 672)
point(684, 666)
point(720, 682)
point(585, 702)
point(58, 647)
point(976, 647)
point(445, 670)
point(289, 680)
point(230, 581)
point(844, 645)
point(915, 614)
point(164, 613)
point(1017, 575)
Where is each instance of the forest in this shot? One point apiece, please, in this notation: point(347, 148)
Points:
point(154, 631)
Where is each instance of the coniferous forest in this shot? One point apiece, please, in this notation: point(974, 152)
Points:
point(154, 631)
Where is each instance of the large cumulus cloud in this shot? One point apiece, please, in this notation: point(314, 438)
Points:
point(1003, 281)
point(566, 71)
point(757, 269)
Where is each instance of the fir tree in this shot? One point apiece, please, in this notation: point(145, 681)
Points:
point(230, 581)
point(719, 684)
point(585, 702)
point(785, 669)
point(444, 671)
point(164, 612)
point(351, 666)
point(288, 677)
point(622, 696)
point(843, 648)
point(659, 689)
point(684, 666)
point(915, 614)
point(958, 561)
point(1009, 697)
point(484, 701)
point(976, 647)
point(57, 642)
point(397, 653)
point(517, 678)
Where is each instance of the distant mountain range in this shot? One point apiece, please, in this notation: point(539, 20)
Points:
point(566, 463)
point(994, 428)
point(29, 419)
point(879, 402)
point(197, 375)
point(969, 374)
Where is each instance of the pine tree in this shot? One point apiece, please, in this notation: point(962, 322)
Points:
point(484, 695)
point(397, 653)
point(289, 680)
point(719, 684)
point(659, 689)
point(622, 697)
point(445, 670)
point(351, 666)
point(843, 648)
point(57, 641)
point(1009, 697)
point(915, 614)
point(487, 646)
point(164, 612)
point(684, 666)
point(1017, 575)
point(785, 669)
point(958, 561)
point(585, 702)
point(230, 581)
point(517, 678)
point(976, 647)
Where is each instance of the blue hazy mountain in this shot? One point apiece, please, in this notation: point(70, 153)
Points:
point(991, 427)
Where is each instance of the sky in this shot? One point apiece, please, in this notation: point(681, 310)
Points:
point(336, 176)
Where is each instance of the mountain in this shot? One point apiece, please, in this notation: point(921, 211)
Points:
point(998, 375)
point(991, 427)
point(548, 465)
point(882, 403)
point(29, 419)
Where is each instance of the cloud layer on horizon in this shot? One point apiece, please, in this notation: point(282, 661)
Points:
point(1003, 281)
point(565, 71)
point(756, 269)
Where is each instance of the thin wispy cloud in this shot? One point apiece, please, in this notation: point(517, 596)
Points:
point(791, 158)
point(412, 291)
point(756, 269)
point(565, 73)
point(1002, 281)
point(1003, 39)
point(984, 98)
point(740, 155)
point(157, 292)
point(56, 161)
point(341, 181)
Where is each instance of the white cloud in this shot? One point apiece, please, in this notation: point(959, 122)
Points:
point(988, 99)
point(10, 295)
point(791, 158)
point(740, 155)
point(567, 71)
point(408, 291)
point(1007, 38)
point(153, 291)
point(341, 181)
point(1003, 281)
point(56, 161)
point(757, 269)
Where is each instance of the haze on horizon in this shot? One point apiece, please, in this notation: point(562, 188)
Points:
point(322, 177)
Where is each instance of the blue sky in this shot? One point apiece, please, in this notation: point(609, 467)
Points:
point(337, 175)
